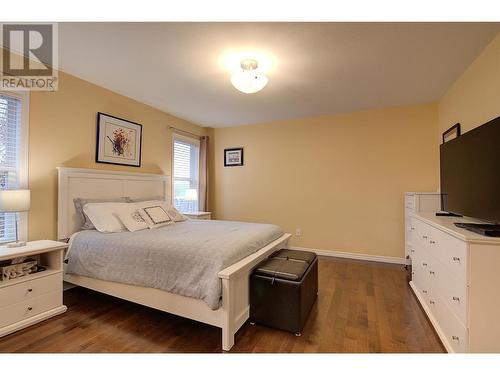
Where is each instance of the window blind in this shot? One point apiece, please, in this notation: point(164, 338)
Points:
point(10, 143)
point(186, 172)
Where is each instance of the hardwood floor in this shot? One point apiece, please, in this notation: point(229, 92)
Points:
point(362, 307)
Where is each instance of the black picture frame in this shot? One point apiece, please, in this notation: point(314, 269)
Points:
point(101, 133)
point(452, 133)
point(228, 152)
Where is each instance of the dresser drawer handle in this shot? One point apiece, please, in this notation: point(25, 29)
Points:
point(456, 299)
point(412, 250)
point(432, 242)
point(431, 302)
point(412, 228)
point(424, 291)
point(424, 237)
point(30, 308)
point(455, 338)
point(424, 264)
point(432, 272)
point(30, 290)
point(456, 259)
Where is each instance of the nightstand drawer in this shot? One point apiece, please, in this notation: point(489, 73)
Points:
point(29, 308)
point(30, 289)
point(198, 215)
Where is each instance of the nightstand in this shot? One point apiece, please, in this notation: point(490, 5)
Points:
point(200, 215)
point(29, 299)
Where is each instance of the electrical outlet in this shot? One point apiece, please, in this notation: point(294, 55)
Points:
point(298, 232)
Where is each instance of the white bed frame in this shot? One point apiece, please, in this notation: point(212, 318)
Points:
point(92, 183)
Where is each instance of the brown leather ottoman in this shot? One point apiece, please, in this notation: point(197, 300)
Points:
point(283, 289)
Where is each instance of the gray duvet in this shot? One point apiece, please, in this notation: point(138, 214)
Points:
point(182, 258)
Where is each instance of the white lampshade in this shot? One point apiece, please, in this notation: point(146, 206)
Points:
point(15, 200)
point(191, 195)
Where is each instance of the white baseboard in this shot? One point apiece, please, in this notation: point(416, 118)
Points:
point(342, 254)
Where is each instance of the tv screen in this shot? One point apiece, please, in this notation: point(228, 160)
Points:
point(470, 173)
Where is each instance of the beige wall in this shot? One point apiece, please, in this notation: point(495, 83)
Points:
point(63, 133)
point(339, 178)
point(475, 97)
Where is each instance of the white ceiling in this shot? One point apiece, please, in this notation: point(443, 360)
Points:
point(319, 68)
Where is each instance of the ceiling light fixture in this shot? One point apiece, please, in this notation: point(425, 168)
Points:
point(249, 79)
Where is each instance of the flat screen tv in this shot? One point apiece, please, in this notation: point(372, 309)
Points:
point(470, 173)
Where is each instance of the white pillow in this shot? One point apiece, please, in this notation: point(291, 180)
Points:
point(155, 216)
point(132, 219)
point(171, 210)
point(104, 215)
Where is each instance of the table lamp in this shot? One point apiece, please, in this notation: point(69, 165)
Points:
point(15, 201)
point(191, 196)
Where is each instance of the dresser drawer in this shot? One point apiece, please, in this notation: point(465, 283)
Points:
point(452, 291)
point(421, 234)
point(451, 252)
point(30, 307)
point(12, 294)
point(420, 277)
point(410, 201)
point(455, 332)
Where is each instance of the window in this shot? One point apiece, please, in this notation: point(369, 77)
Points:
point(13, 158)
point(186, 156)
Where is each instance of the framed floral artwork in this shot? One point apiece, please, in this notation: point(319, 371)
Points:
point(118, 141)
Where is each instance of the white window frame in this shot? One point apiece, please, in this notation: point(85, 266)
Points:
point(194, 141)
point(24, 96)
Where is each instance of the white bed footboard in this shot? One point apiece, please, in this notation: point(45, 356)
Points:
point(235, 290)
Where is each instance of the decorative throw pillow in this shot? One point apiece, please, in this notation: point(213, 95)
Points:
point(80, 202)
point(171, 210)
point(104, 215)
point(132, 220)
point(155, 216)
point(175, 214)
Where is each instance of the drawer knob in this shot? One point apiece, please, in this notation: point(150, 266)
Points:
point(431, 302)
point(424, 291)
point(456, 259)
point(412, 250)
point(424, 264)
point(30, 290)
point(456, 299)
point(412, 228)
point(30, 308)
point(432, 272)
point(432, 242)
point(455, 338)
point(424, 237)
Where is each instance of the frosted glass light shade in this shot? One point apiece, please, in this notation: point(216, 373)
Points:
point(15, 200)
point(249, 81)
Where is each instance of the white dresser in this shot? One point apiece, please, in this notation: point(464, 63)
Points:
point(27, 300)
point(418, 202)
point(456, 277)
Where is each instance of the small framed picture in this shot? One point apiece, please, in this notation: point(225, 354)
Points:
point(118, 141)
point(233, 157)
point(451, 133)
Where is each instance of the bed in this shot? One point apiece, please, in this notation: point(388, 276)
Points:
point(223, 303)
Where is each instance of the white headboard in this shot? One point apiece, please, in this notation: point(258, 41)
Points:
point(94, 183)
